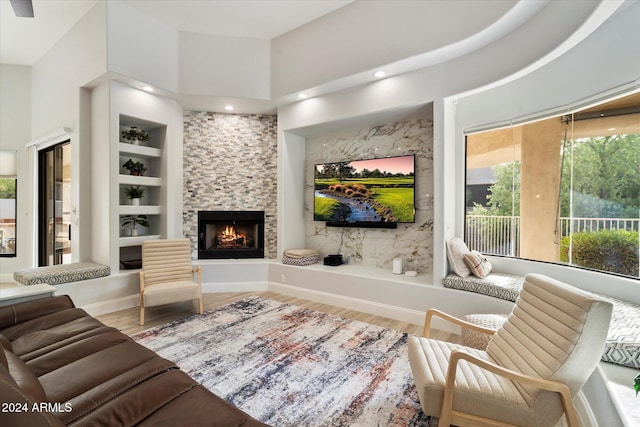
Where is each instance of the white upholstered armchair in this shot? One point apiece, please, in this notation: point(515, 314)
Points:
point(532, 368)
point(167, 275)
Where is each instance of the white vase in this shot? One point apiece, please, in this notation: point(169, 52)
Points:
point(135, 201)
point(134, 232)
point(135, 141)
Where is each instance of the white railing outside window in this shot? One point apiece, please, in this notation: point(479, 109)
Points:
point(500, 235)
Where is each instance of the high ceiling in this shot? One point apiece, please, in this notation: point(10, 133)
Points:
point(23, 41)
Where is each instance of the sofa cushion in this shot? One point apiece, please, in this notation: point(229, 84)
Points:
point(10, 393)
point(63, 273)
point(24, 378)
point(11, 315)
point(5, 343)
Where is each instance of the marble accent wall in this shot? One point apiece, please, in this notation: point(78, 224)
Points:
point(372, 247)
point(230, 163)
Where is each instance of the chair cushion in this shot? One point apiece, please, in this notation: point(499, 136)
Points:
point(499, 285)
point(477, 391)
point(169, 292)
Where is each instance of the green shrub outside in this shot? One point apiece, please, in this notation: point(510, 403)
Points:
point(606, 250)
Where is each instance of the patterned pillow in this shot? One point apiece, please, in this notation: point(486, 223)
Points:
point(456, 248)
point(478, 264)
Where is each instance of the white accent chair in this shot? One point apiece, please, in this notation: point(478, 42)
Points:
point(167, 275)
point(533, 365)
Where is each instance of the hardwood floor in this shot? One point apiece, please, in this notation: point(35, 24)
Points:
point(127, 320)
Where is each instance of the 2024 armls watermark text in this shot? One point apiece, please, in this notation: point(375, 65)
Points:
point(18, 407)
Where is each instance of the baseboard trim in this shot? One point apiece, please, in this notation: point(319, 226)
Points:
point(214, 288)
point(587, 418)
point(109, 306)
point(371, 307)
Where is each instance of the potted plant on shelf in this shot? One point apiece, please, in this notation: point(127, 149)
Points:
point(134, 220)
point(135, 168)
point(135, 135)
point(135, 194)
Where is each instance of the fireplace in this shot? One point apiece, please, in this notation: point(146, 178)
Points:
point(230, 234)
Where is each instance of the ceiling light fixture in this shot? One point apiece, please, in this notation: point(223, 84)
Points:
point(147, 88)
point(302, 96)
point(228, 107)
point(379, 74)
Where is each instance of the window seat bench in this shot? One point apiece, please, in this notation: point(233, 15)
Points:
point(623, 341)
point(63, 273)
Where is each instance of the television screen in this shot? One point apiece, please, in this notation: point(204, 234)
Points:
point(375, 190)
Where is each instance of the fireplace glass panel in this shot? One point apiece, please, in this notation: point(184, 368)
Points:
point(230, 234)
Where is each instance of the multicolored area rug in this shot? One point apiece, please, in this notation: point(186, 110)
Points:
point(289, 366)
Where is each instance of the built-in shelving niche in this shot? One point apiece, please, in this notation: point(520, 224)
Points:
point(152, 203)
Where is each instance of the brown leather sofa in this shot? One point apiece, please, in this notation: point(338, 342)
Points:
point(60, 366)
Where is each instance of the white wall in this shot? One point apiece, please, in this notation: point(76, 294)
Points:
point(141, 47)
point(364, 35)
point(59, 100)
point(224, 66)
point(15, 132)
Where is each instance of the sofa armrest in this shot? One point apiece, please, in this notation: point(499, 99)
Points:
point(18, 313)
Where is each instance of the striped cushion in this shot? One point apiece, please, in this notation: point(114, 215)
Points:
point(63, 273)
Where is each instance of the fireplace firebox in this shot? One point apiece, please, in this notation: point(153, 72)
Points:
point(230, 234)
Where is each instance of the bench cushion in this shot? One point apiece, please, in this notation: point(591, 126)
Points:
point(63, 273)
point(498, 285)
point(623, 342)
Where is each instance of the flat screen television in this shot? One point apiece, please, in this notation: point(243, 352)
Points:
point(361, 192)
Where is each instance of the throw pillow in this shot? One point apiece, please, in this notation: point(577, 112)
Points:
point(478, 263)
point(456, 248)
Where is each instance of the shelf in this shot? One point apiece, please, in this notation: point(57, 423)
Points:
point(139, 150)
point(140, 180)
point(137, 240)
point(139, 210)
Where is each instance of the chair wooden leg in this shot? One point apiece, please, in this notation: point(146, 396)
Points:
point(141, 314)
point(201, 307)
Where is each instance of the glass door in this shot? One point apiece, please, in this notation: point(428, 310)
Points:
point(54, 195)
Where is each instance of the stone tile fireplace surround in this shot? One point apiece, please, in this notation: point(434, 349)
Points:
point(230, 164)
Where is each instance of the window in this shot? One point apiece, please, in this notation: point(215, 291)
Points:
point(562, 190)
point(8, 205)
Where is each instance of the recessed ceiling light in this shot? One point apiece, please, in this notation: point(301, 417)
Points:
point(147, 88)
point(379, 74)
point(302, 96)
point(228, 107)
